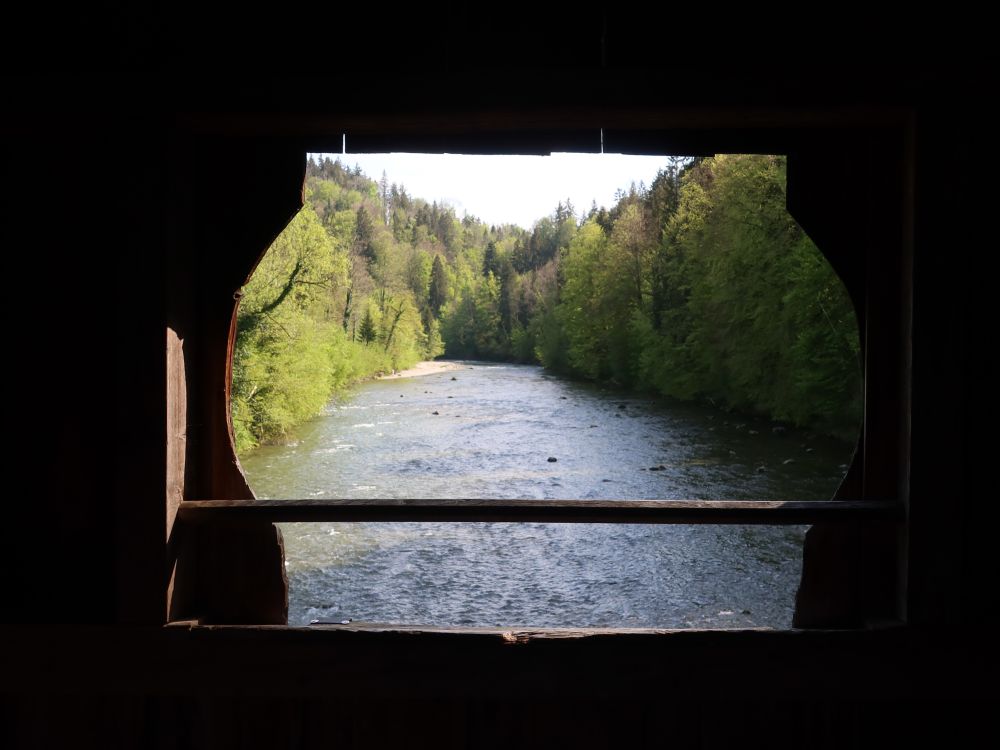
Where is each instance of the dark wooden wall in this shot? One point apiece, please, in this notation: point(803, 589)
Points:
point(101, 168)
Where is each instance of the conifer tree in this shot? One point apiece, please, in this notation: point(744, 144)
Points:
point(367, 331)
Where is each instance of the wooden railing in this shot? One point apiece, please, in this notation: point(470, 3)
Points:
point(764, 512)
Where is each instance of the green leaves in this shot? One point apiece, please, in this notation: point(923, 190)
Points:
point(706, 288)
point(701, 287)
point(749, 311)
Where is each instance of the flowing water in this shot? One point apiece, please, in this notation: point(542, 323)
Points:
point(489, 430)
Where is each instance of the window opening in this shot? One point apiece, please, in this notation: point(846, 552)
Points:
point(357, 270)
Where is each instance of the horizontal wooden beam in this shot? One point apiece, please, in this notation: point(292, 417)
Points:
point(493, 123)
point(767, 512)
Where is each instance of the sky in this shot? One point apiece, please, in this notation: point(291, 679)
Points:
point(510, 189)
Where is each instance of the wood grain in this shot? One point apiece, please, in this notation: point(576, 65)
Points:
point(541, 511)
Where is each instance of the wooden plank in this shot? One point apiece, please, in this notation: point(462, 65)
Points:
point(768, 512)
point(325, 130)
point(520, 633)
point(505, 635)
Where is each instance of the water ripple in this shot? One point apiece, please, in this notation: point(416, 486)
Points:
point(493, 438)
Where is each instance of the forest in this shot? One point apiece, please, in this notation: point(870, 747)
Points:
point(699, 286)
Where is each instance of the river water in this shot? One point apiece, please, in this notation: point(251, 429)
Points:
point(488, 430)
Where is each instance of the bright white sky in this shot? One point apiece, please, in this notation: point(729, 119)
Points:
point(510, 189)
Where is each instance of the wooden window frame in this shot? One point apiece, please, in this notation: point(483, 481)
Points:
point(217, 531)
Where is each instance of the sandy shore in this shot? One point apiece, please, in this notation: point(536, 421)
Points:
point(423, 368)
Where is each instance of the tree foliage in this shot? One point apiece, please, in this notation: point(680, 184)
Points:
point(700, 287)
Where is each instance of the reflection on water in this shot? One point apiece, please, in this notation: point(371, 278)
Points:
point(495, 429)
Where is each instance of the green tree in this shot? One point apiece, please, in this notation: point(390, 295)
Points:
point(491, 263)
point(367, 332)
point(364, 234)
point(438, 292)
point(701, 286)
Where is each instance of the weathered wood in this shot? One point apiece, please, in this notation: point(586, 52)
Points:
point(89, 408)
point(403, 663)
point(547, 511)
point(508, 635)
point(231, 575)
point(220, 573)
point(502, 130)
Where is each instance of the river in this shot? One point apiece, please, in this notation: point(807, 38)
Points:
point(489, 430)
